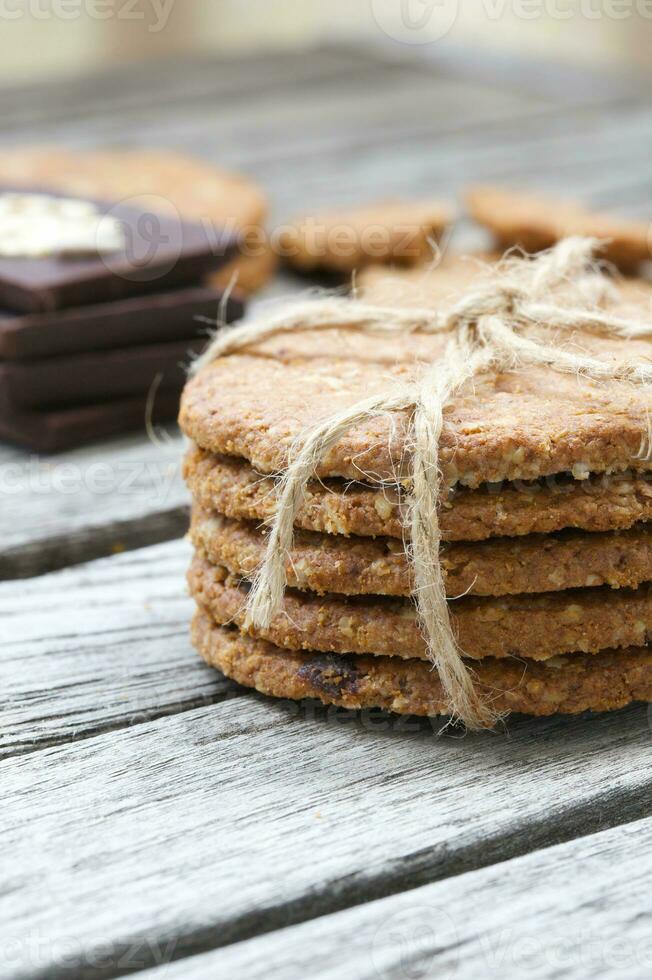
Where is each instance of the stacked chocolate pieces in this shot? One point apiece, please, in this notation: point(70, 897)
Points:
point(547, 551)
point(101, 306)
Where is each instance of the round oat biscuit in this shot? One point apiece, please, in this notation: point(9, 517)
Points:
point(602, 682)
point(232, 487)
point(379, 566)
point(535, 627)
point(387, 231)
point(535, 222)
point(194, 188)
point(520, 425)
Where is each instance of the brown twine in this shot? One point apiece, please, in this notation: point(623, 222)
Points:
point(489, 329)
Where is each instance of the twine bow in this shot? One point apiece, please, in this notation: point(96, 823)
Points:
point(494, 327)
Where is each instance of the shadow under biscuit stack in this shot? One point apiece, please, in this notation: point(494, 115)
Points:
point(547, 550)
point(102, 306)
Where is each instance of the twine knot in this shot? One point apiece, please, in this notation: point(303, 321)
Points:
point(499, 299)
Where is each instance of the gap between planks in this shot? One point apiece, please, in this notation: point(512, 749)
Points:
point(99, 647)
point(552, 912)
point(414, 873)
point(63, 550)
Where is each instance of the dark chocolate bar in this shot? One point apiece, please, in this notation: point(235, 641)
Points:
point(93, 377)
point(158, 317)
point(68, 428)
point(159, 251)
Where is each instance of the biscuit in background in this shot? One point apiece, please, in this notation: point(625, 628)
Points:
point(535, 222)
point(402, 232)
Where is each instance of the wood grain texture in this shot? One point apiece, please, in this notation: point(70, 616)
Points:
point(268, 76)
point(61, 510)
point(576, 910)
point(217, 824)
point(97, 647)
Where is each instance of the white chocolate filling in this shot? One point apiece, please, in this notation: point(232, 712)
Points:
point(39, 225)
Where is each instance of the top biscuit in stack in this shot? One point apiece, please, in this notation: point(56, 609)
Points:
point(547, 548)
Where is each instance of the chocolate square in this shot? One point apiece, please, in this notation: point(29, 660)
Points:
point(95, 376)
point(160, 251)
point(156, 318)
point(67, 428)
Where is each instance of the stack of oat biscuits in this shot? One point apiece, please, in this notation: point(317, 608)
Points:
point(547, 551)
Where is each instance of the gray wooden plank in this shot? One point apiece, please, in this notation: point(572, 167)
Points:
point(425, 141)
point(97, 647)
point(180, 83)
point(211, 826)
point(577, 910)
point(325, 113)
point(59, 510)
point(240, 77)
point(567, 82)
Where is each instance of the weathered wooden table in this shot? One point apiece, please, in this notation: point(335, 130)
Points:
point(154, 812)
